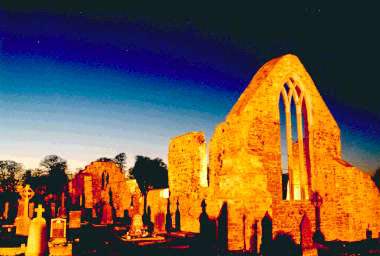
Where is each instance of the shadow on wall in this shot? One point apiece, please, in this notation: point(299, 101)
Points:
point(253, 239)
point(222, 229)
point(213, 235)
point(282, 244)
point(208, 230)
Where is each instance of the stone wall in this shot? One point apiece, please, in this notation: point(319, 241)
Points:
point(157, 202)
point(98, 181)
point(244, 170)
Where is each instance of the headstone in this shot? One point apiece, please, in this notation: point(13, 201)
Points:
point(93, 213)
point(58, 230)
point(307, 244)
point(52, 210)
point(37, 239)
point(6, 211)
point(62, 208)
point(31, 210)
point(159, 222)
point(137, 226)
point(267, 234)
point(106, 214)
point(74, 219)
point(168, 218)
point(22, 222)
point(127, 219)
point(368, 233)
point(177, 218)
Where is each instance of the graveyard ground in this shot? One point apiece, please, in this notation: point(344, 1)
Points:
point(105, 241)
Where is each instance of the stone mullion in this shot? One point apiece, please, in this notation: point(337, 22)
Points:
point(289, 145)
point(301, 151)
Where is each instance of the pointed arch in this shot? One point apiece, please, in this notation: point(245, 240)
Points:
point(292, 94)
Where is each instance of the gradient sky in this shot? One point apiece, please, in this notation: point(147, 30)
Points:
point(85, 82)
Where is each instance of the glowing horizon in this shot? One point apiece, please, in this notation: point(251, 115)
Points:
point(71, 86)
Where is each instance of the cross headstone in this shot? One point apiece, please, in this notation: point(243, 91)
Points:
point(39, 210)
point(37, 239)
point(317, 201)
point(22, 221)
point(62, 208)
point(27, 193)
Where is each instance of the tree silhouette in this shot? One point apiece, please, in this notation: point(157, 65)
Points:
point(9, 175)
point(104, 159)
point(149, 174)
point(27, 177)
point(120, 160)
point(56, 169)
point(376, 177)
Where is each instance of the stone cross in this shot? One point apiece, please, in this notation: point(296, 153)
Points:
point(317, 201)
point(39, 211)
point(26, 193)
point(62, 209)
point(37, 238)
point(63, 200)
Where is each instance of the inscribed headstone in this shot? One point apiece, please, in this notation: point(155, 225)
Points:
point(74, 219)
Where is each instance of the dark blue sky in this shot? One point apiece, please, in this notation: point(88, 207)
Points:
point(90, 81)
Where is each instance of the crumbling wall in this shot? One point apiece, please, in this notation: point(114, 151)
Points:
point(105, 176)
point(184, 167)
point(245, 166)
point(157, 203)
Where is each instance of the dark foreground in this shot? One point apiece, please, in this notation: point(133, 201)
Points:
point(105, 241)
point(90, 240)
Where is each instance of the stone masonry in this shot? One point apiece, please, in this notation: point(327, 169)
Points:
point(100, 179)
point(244, 167)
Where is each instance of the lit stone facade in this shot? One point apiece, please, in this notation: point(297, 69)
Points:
point(245, 169)
point(92, 186)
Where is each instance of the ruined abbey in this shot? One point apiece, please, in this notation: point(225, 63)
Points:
point(239, 174)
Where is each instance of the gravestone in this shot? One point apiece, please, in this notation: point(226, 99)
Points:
point(74, 219)
point(22, 222)
point(368, 233)
point(168, 218)
point(37, 239)
point(62, 208)
point(106, 214)
point(137, 226)
point(58, 231)
point(6, 211)
point(31, 210)
point(127, 219)
point(52, 210)
point(307, 244)
point(177, 218)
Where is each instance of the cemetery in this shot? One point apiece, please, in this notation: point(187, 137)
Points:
point(228, 197)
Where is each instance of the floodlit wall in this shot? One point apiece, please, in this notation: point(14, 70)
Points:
point(244, 165)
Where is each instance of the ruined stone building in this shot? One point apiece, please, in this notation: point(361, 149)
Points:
point(101, 182)
point(280, 124)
